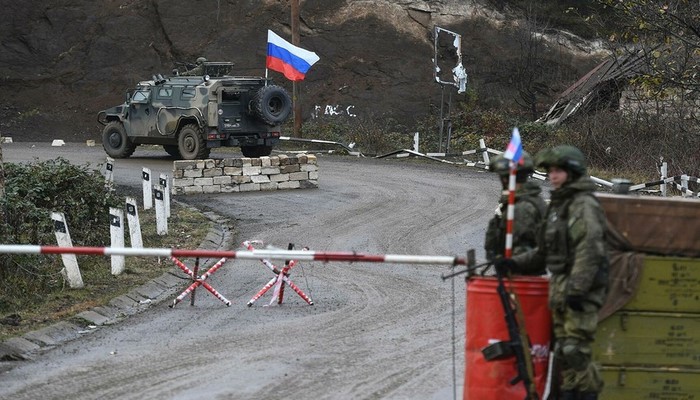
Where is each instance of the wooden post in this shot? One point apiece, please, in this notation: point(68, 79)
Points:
point(295, 85)
point(2, 178)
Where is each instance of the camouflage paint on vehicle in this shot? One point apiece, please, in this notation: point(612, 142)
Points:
point(189, 115)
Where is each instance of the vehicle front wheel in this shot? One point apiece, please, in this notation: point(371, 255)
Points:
point(172, 151)
point(116, 142)
point(191, 144)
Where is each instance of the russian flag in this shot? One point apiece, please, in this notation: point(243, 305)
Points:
point(288, 59)
point(514, 151)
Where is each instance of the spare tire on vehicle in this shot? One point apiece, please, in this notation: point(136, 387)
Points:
point(272, 105)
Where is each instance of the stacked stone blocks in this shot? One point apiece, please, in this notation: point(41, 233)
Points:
point(244, 174)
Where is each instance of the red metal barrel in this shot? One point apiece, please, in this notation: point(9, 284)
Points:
point(485, 380)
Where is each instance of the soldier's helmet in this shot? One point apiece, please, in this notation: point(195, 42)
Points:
point(565, 157)
point(201, 60)
point(501, 165)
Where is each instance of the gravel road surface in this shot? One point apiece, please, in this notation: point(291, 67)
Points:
point(376, 331)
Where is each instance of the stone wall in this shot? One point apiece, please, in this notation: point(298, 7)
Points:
point(244, 174)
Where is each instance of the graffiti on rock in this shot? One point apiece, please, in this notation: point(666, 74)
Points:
point(332, 110)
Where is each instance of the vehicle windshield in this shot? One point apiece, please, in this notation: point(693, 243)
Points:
point(140, 96)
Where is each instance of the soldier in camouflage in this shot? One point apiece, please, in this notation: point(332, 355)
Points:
point(198, 70)
point(529, 210)
point(572, 246)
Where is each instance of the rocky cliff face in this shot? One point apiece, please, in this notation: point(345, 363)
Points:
point(63, 61)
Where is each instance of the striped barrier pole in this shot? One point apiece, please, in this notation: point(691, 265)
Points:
point(510, 212)
point(278, 293)
point(655, 183)
point(279, 289)
point(199, 281)
point(673, 180)
point(299, 255)
point(248, 244)
point(262, 291)
point(195, 273)
point(298, 291)
point(282, 277)
point(349, 148)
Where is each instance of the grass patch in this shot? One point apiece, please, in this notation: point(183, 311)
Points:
point(186, 229)
point(33, 290)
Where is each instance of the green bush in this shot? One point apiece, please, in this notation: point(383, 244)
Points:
point(32, 192)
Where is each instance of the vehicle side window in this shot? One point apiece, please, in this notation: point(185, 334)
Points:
point(141, 96)
point(188, 93)
point(165, 93)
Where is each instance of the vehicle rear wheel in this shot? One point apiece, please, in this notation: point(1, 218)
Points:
point(272, 105)
point(116, 142)
point(256, 151)
point(172, 150)
point(190, 143)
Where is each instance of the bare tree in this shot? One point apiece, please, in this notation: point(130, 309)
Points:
point(529, 69)
point(2, 175)
point(668, 33)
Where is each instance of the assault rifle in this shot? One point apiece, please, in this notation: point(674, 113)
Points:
point(518, 345)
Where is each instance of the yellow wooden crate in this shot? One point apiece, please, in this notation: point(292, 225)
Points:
point(648, 338)
point(650, 384)
point(668, 284)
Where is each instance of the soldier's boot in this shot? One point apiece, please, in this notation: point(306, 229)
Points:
point(588, 396)
point(569, 395)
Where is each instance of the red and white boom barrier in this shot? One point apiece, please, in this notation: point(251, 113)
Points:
point(257, 254)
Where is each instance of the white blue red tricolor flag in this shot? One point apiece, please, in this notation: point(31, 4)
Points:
point(514, 151)
point(288, 59)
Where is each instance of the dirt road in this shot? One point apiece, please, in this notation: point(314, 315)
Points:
point(376, 331)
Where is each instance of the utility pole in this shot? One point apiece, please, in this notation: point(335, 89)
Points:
point(295, 85)
point(2, 177)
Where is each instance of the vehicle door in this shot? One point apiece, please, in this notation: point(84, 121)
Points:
point(167, 114)
point(140, 114)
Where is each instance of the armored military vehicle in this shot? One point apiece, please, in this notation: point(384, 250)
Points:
point(191, 114)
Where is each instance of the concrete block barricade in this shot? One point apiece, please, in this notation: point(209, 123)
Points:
point(231, 175)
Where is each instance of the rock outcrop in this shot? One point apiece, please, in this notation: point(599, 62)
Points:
point(63, 61)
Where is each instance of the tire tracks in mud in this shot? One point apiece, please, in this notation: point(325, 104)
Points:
point(375, 331)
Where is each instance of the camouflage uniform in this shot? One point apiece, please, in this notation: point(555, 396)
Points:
point(572, 246)
point(529, 209)
point(528, 213)
point(198, 70)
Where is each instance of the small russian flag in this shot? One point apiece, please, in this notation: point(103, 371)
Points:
point(288, 59)
point(514, 151)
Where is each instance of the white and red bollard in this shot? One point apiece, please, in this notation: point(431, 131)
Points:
point(278, 282)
